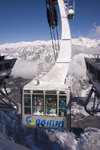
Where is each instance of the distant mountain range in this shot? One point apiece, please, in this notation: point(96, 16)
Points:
point(32, 56)
point(86, 42)
point(81, 41)
point(29, 56)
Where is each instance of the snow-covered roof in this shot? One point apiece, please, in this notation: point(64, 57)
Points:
point(45, 86)
point(71, 11)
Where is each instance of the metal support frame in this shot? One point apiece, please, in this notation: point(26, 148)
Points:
point(9, 106)
point(93, 110)
point(6, 65)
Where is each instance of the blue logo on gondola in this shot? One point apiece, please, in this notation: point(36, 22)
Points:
point(48, 123)
point(29, 122)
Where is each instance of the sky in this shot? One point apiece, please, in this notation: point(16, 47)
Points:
point(25, 20)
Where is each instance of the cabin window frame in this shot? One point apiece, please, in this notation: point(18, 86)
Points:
point(40, 94)
point(64, 109)
point(55, 94)
point(31, 93)
point(26, 113)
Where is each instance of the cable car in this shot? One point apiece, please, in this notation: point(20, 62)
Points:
point(46, 99)
point(46, 108)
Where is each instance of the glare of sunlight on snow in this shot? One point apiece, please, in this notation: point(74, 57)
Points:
point(25, 69)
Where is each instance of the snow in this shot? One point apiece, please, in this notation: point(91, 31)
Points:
point(30, 55)
point(7, 89)
point(54, 115)
point(5, 72)
point(95, 83)
point(25, 69)
point(23, 44)
point(77, 65)
point(38, 113)
point(71, 11)
point(86, 42)
point(8, 145)
point(12, 132)
point(90, 139)
point(75, 109)
point(82, 111)
point(34, 57)
point(82, 41)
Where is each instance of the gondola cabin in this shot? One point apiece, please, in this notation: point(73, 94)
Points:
point(46, 99)
point(46, 108)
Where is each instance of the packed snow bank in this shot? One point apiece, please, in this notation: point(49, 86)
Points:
point(30, 54)
point(7, 144)
point(89, 140)
point(44, 139)
point(54, 139)
point(25, 69)
point(33, 57)
point(38, 139)
point(12, 129)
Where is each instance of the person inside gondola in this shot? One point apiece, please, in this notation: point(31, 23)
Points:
point(49, 102)
point(62, 108)
point(38, 102)
point(39, 105)
point(51, 106)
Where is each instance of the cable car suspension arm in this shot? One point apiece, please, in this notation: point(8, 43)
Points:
point(53, 22)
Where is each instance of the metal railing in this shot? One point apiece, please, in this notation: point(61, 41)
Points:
point(68, 7)
point(44, 69)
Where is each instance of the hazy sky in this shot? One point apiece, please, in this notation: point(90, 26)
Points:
point(25, 20)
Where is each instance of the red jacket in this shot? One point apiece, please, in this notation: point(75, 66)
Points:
point(37, 104)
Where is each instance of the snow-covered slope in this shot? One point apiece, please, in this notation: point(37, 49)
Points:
point(43, 139)
point(32, 57)
point(29, 55)
point(7, 144)
point(81, 41)
point(86, 42)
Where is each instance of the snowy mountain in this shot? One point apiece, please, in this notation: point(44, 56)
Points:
point(86, 42)
point(33, 55)
point(81, 41)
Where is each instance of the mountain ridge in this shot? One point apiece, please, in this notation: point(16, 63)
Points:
point(82, 41)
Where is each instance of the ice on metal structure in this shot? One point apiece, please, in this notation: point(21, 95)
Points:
point(5, 67)
point(51, 85)
point(6, 103)
point(93, 73)
point(70, 10)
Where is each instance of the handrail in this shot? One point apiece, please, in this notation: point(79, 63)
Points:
point(67, 7)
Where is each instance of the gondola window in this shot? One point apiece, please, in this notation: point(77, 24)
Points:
point(62, 106)
point(51, 105)
point(27, 103)
point(38, 102)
